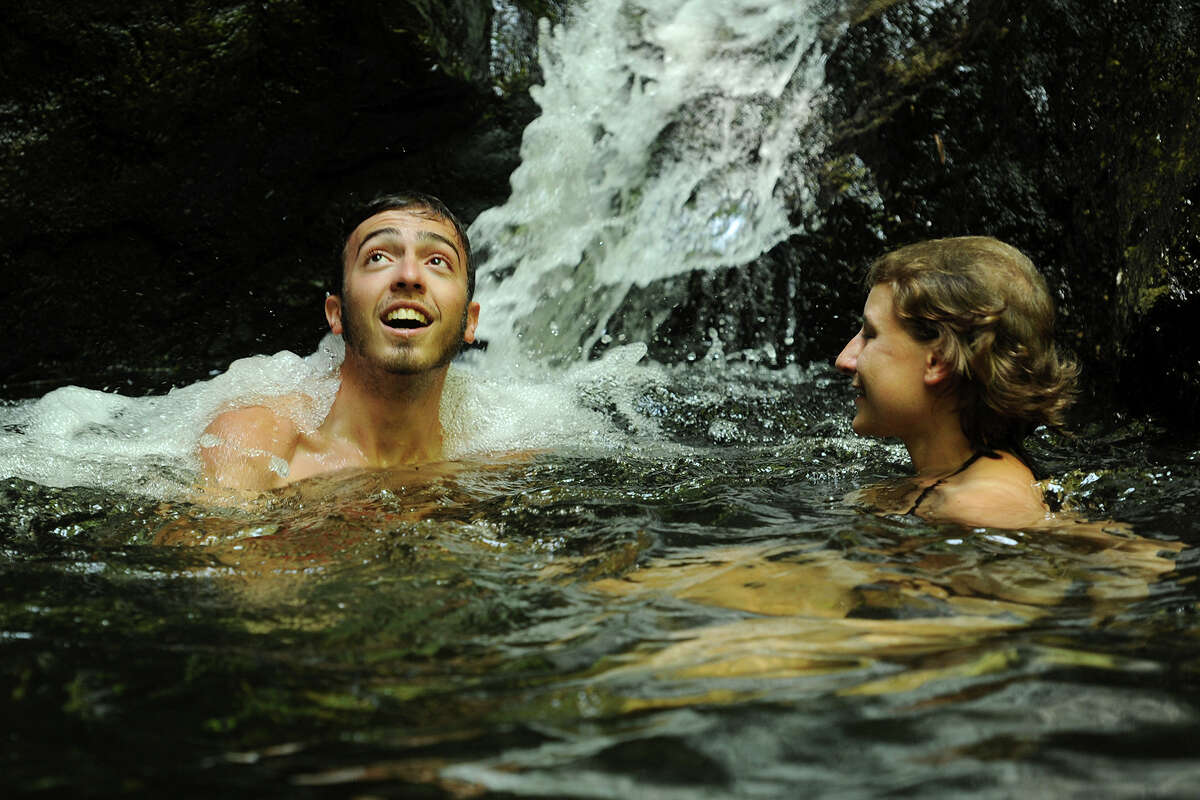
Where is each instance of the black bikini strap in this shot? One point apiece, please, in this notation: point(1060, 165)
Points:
point(966, 464)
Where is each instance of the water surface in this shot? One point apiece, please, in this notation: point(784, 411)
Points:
point(694, 614)
point(632, 580)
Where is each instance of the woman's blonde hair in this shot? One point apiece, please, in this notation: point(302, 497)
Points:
point(989, 314)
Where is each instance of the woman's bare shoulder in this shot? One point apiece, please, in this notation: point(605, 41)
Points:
point(991, 505)
point(997, 493)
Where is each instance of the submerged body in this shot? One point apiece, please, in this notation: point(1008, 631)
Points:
point(956, 359)
point(404, 310)
point(994, 490)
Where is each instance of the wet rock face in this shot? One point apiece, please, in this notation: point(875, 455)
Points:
point(1069, 128)
point(166, 168)
point(166, 171)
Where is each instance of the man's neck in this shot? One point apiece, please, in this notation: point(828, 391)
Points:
point(390, 419)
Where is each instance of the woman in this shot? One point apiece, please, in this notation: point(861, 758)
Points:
point(956, 358)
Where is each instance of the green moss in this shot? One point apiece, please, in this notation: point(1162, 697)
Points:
point(920, 65)
point(1148, 297)
point(868, 9)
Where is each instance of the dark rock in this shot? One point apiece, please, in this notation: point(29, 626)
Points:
point(166, 169)
point(1068, 128)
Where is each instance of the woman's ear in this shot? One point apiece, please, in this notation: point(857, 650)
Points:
point(938, 370)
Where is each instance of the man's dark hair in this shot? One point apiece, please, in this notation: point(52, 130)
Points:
point(355, 213)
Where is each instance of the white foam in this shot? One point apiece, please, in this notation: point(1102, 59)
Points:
point(82, 437)
point(674, 136)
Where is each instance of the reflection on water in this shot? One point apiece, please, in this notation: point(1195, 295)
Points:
point(687, 618)
point(661, 593)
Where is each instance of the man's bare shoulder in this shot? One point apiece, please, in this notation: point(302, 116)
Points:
point(250, 421)
point(248, 448)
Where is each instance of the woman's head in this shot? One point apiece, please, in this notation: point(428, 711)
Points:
point(985, 310)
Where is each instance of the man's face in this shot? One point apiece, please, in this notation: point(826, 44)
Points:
point(404, 301)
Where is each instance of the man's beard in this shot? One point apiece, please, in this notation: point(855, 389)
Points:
point(399, 360)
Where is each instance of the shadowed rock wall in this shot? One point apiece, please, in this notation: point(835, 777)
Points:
point(166, 168)
point(1069, 128)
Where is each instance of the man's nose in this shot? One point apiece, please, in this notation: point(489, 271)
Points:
point(408, 273)
point(847, 360)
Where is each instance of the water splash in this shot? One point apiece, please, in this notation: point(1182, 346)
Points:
point(81, 437)
point(675, 135)
point(148, 445)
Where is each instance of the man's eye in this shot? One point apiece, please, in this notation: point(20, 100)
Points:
point(375, 258)
point(438, 261)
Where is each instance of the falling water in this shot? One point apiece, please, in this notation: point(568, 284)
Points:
point(675, 135)
point(663, 595)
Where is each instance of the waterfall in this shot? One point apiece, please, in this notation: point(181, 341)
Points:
point(675, 135)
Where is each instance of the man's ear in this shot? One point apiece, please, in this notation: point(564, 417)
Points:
point(937, 369)
point(333, 313)
point(472, 322)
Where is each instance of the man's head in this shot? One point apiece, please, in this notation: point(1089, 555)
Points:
point(403, 301)
point(417, 203)
point(986, 311)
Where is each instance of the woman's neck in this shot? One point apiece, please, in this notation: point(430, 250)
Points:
point(940, 452)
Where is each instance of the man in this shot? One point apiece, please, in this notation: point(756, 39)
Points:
point(404, 310)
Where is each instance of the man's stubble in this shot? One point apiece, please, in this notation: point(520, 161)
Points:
point(401, 362)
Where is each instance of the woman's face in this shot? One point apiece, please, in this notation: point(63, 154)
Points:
point(889, 368)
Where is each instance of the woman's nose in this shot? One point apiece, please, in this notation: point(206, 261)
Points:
point(847, 360)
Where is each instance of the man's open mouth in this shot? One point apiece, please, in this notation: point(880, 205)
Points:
point(405, 319)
